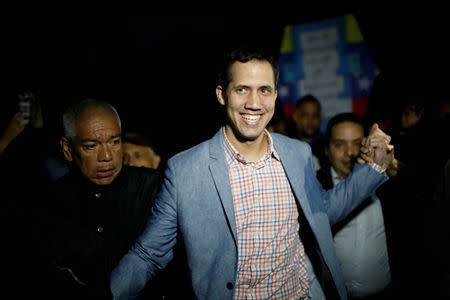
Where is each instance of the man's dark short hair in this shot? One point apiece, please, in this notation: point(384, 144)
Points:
point(344, 117)
point(245, 54)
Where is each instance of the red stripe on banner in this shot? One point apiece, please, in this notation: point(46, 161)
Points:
point(360, 106)
point(288, 110)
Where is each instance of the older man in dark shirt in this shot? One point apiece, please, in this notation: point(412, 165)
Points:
point(101, 206)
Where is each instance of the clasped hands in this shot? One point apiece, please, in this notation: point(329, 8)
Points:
point(376, 148)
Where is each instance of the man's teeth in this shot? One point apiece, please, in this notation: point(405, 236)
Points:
point(251, 118)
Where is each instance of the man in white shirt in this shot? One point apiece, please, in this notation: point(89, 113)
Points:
point(360, 239)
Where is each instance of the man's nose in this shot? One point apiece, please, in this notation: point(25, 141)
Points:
point(253, 101)
point(105, 153)
point(352, 151)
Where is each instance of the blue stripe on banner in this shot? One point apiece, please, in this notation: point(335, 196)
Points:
point(324, 64)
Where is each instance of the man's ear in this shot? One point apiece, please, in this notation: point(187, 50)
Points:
point(66, 148)
point(219, 95)
point(327, 153)
point(420, 113)
point(294, 116)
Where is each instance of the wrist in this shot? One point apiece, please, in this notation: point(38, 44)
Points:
point(377, 167)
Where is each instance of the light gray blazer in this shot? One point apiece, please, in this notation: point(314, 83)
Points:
point(196, 199)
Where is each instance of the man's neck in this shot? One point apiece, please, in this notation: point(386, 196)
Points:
point(252, 150)
point(335, 177)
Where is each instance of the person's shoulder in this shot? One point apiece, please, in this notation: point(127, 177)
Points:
point(284, 140)
point(291, 149)
point(279, 137)
point(140, 172)
point(65, 180)
point(201, 150)
point(62, 190)
point(142, 177)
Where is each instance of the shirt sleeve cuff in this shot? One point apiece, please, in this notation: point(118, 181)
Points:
point(377, 167)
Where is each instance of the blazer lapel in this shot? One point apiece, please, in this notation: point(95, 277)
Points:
point(219, 172)
point(294, 164)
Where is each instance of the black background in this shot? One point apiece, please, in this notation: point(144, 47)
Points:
point(156, 62)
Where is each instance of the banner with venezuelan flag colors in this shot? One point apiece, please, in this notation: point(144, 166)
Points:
point(329, 60)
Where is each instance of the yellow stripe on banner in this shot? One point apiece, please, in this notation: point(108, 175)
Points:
point(287, 45)
point(353, 33)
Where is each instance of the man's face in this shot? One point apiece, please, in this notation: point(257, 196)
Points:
point(97, 148)
point(249, 100)
point(411, 115)
point(140, 156)
point(344, 146)
point(307, 118)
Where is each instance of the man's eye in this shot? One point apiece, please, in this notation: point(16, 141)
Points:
point(89, 146)
point(266, 91)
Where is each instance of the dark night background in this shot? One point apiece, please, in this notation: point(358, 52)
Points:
point(156, 62)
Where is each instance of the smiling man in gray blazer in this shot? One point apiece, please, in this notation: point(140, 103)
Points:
point(254, 219)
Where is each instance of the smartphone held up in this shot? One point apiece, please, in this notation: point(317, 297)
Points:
point(25, 100)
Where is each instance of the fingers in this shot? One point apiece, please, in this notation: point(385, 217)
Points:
point(17, 116)
point(17, 120)
point(363, 142)
point(365, 150)
point(377, 147)
point(359, 160)
point(372, 133)
point(375, 131)
point(373, 128)
point(364, 158)
point(377, 138)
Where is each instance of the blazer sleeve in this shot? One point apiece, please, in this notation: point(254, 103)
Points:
point(349, 193)
point(154, 248)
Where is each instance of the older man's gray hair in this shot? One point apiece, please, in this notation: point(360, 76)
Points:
point(76, 112)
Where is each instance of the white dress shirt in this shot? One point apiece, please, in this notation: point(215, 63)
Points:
point(362, 251)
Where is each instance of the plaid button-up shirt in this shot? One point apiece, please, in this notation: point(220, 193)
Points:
point(271, 261)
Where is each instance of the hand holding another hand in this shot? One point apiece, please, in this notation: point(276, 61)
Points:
point(376, 148)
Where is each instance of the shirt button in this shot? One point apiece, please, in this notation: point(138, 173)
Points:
point(98, 195)
point(229, 286)
point(100, 229)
